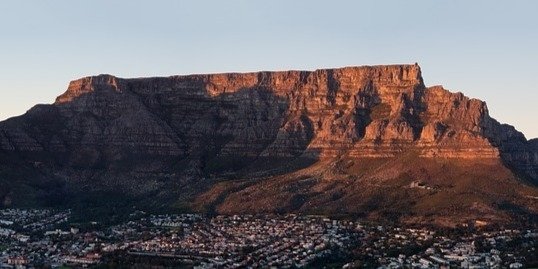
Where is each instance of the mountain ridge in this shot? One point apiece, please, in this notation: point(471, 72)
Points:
point(177, 137)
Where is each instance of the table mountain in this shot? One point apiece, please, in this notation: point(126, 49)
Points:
point(368, 140)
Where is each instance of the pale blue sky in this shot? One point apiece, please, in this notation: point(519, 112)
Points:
point(485, 49)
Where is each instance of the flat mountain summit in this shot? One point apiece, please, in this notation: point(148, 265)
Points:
point(371, 141)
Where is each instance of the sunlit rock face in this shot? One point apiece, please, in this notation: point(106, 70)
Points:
point(367, 111)
point(347, 140)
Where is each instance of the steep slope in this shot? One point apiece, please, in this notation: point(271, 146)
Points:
point(172, 138)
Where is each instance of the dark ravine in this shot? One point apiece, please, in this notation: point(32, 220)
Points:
point(347, 140)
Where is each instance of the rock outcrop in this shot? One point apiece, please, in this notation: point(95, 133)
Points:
point(105, 131)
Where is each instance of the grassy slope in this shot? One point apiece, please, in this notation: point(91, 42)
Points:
point(22, 185)
point(459, 190)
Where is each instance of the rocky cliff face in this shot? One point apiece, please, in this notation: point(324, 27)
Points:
point(185, 128)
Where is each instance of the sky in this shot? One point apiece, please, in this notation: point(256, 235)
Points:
point(485, 49)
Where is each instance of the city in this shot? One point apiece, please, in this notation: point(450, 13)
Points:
point(37, 238)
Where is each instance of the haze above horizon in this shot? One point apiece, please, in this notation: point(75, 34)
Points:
point(485, 50)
